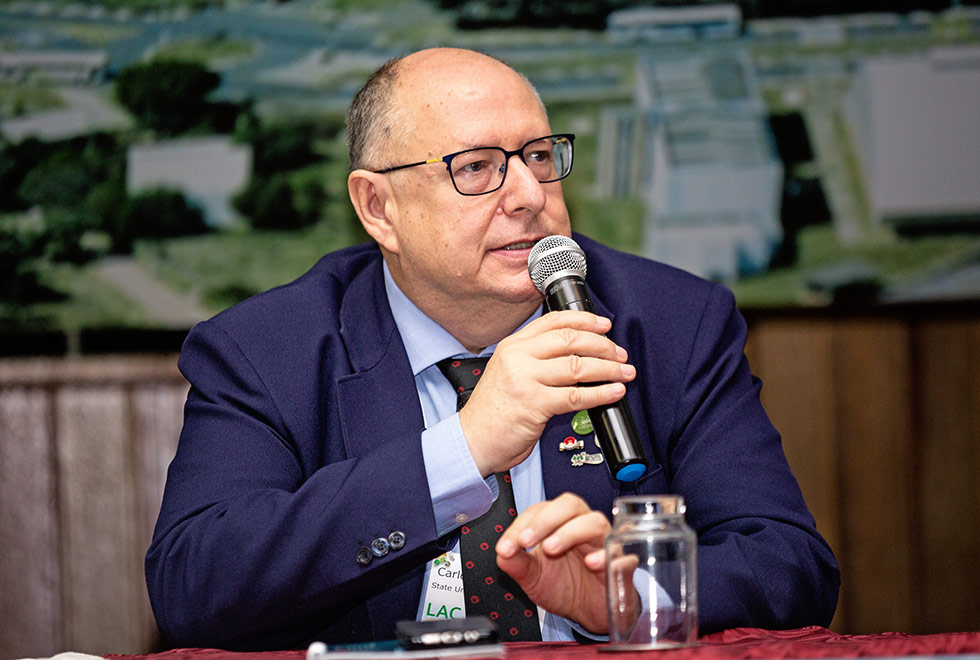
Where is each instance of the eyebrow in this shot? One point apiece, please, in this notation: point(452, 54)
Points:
point(476, 145)
point(495, 144)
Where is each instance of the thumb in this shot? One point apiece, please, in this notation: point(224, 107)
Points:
point(516, 563)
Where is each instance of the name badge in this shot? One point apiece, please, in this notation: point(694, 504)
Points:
point(444, 597)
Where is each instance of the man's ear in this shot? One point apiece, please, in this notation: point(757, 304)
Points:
point(371, 196)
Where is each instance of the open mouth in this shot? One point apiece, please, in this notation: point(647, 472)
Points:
point(519, 246)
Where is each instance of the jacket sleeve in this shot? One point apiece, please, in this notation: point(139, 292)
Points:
point(256, 542)
point(761, 561)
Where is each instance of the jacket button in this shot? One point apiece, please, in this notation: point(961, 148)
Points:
point(379, 547)
point(364, 556)
point(396, 540)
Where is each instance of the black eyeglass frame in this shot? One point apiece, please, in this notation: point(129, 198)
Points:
point(447, 159)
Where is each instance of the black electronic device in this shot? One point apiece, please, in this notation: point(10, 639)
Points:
point(442, 633)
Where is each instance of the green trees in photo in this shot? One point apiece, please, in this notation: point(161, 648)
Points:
point(168, 96)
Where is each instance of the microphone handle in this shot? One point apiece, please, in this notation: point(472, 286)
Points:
point(613, 424)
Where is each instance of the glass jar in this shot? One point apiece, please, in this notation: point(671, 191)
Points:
point(651, 574)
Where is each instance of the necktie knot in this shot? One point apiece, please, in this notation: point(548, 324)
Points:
point(463, 374)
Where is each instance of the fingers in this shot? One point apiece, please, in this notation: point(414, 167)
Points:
point(583, 398)
point(558, 526)
point(575, 369)
point(570, 333)
point(564, 349)
point(585, 321)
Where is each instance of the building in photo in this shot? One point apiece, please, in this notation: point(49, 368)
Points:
point(208, 171)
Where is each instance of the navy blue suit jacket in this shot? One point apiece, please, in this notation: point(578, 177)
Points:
point(301, 444)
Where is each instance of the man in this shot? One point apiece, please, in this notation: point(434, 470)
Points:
point(319, 425)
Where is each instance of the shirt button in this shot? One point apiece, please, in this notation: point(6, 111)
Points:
point(379, 547)
point(364, 556)
point(461, 518)
point(396, 540)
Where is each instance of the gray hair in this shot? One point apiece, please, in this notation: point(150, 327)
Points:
point(372, 114)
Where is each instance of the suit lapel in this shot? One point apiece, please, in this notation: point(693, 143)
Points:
point(378, 396)
point(380, 393)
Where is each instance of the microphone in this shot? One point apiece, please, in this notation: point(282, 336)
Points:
point(557, 267)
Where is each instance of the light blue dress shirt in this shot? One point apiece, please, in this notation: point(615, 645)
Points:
point(459, 493)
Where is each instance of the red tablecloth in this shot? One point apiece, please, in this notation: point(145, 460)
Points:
point(812, 642)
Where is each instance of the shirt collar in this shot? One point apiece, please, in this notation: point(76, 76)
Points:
point(426, 342)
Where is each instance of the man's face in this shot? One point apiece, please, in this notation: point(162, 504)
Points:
point(452, 247)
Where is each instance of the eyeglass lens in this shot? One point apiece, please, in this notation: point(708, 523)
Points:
point(482, 170)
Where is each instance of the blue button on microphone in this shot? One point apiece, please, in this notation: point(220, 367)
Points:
point(631, 472)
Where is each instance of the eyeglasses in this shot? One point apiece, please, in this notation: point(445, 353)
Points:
point(482, 170)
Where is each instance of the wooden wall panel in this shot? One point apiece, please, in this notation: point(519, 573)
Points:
point(158, 416)
point(900, 415)
point(98, 501)
point(30, 581)
point(947, 470)
point(84, 445)
point(874, 434)
point(157, 419)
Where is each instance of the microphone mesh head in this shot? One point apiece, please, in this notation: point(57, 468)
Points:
point(554, 254)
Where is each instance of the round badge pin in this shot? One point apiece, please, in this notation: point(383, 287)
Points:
point(581, 423)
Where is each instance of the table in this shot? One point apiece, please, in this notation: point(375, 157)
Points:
point(736, 644)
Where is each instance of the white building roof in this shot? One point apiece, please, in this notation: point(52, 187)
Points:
point(684, 81)
point(918, 125)
point(58, 65)
point(702, 138)
point(670, 16)
point(207, 170)
point(86, 110)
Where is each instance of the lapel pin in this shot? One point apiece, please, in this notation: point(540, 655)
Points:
point(583, 458)
point(581, 423)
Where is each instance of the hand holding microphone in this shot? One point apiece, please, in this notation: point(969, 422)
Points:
point(535, 374)
point(557, 267)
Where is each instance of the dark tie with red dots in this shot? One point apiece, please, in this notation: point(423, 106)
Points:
point(489, 591)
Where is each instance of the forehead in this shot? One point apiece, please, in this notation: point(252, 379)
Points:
point(474, 102)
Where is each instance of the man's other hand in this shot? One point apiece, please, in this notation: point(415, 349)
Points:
point(555, 551)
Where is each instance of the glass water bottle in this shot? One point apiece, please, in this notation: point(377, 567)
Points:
point(651, 574)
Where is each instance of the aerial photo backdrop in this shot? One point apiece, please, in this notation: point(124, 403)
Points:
point(162, 160)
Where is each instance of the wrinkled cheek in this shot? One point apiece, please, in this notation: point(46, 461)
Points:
point(555, 207)
point(456, 219)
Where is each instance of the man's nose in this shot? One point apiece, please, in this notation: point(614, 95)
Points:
point(521, 187)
